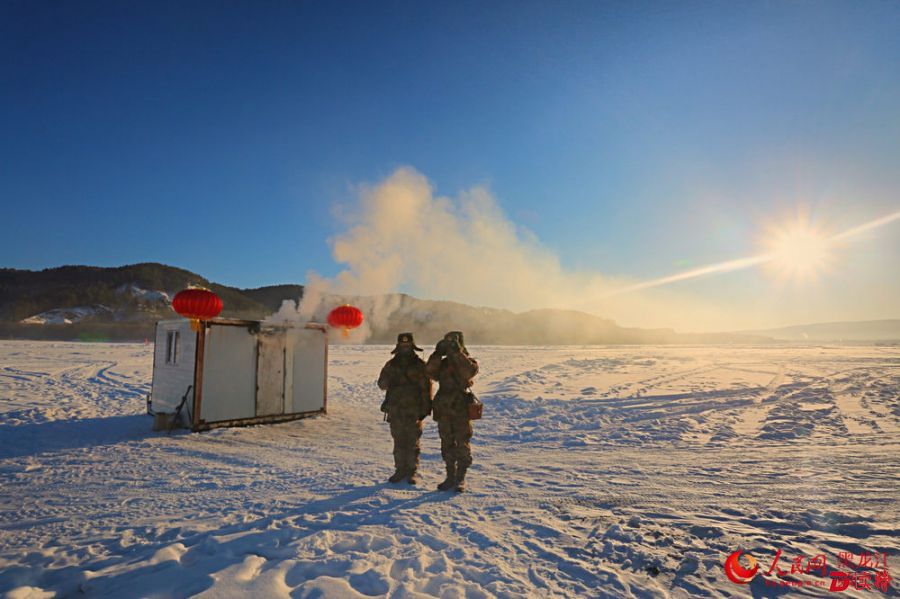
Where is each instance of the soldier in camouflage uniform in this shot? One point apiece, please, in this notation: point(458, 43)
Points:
point(452, 367)
point(407, 402)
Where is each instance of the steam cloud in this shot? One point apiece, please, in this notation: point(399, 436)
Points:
point(400, 236)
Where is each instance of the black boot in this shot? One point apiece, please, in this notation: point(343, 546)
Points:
point(399, 465)
point(461, 478)
point(450, 481)
point(412, 468)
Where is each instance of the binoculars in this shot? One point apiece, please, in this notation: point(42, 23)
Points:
point(447, 346)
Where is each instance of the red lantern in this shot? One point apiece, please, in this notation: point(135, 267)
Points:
point(197, 304)
point(345, 317)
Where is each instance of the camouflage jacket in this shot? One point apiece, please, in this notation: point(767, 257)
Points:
point(454, 373)
point(408, 389)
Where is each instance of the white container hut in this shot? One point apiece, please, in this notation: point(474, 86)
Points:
point(238, 372)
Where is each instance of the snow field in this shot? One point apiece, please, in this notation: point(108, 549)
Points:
point(599, 472)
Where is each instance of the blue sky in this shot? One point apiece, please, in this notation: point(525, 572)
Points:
point(632, 139)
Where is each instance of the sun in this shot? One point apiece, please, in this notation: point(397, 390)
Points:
point(799, 251)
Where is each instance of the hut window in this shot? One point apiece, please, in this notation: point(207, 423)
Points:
point(172, 347)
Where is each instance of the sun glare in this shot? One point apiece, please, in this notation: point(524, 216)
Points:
point(800, 252)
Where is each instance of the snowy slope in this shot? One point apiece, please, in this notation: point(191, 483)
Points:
point(68, 315)
point(147, 301)
point(599, 472)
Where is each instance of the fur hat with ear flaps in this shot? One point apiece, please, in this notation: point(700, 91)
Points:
point(458, 336)
point(404, 338)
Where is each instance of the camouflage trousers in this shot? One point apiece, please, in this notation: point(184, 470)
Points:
point(455, 430)
point(406, 431)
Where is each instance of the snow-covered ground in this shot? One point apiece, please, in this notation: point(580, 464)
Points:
point(604, 471)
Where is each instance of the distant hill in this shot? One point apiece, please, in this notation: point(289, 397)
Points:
point(93, 303)
point(865, 330)
point(430, 319)
point(124, 290)
point(272, 296)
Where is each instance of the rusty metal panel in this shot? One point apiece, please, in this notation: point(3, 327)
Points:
point(198, 374)
point(259, 420)
point(270, 372)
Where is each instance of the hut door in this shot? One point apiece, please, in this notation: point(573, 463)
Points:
point(270, 374)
